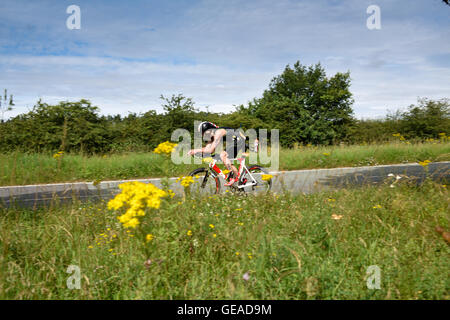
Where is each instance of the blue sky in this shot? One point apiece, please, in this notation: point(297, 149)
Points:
point(220, 53)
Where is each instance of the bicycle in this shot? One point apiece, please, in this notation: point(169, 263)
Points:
point(250, 179)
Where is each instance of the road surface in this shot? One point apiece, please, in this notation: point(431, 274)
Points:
point(298, 181)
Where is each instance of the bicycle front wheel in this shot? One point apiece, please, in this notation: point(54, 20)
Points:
point(205, 183)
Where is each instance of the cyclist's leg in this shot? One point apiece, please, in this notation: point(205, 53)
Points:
point(224, 156)
point(231, 153)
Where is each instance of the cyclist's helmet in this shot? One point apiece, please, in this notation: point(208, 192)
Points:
point(205, 125)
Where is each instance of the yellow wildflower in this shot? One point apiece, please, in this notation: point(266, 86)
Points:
point(132, 223)
point(58, 154)
point(187, 181)
point(424, 163)
point(165, 148)
point(266, 177)
point(136, 197)
point(207, 159)
point(149, 237)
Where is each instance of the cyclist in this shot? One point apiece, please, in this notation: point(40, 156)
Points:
point(214, 135)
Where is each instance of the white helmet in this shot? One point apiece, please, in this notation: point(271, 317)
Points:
point(206, 125)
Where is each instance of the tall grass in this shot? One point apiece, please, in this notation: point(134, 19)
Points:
point(23, 168)
point(362, 155)
point(289, 246)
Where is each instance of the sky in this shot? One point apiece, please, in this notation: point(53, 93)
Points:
point(220, 53)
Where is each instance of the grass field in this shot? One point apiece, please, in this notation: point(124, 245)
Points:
point(22, 168)
point(286, 247)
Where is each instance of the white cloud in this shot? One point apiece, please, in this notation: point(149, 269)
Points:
point(220, 53)
point(118, 87)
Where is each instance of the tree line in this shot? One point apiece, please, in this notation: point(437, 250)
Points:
point(302, 102)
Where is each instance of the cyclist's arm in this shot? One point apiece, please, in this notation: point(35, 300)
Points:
point(210, 147)
point(213, 145)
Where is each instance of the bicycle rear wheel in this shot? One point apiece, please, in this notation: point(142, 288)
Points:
point(254, 181)
point(205, 182)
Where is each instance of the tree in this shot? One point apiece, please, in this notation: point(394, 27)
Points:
point(426, 119)
point(179, 113)
point(5, 104)
point(74, 126)
point(306, 106)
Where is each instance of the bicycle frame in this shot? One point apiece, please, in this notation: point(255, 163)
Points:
point(216, 171)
